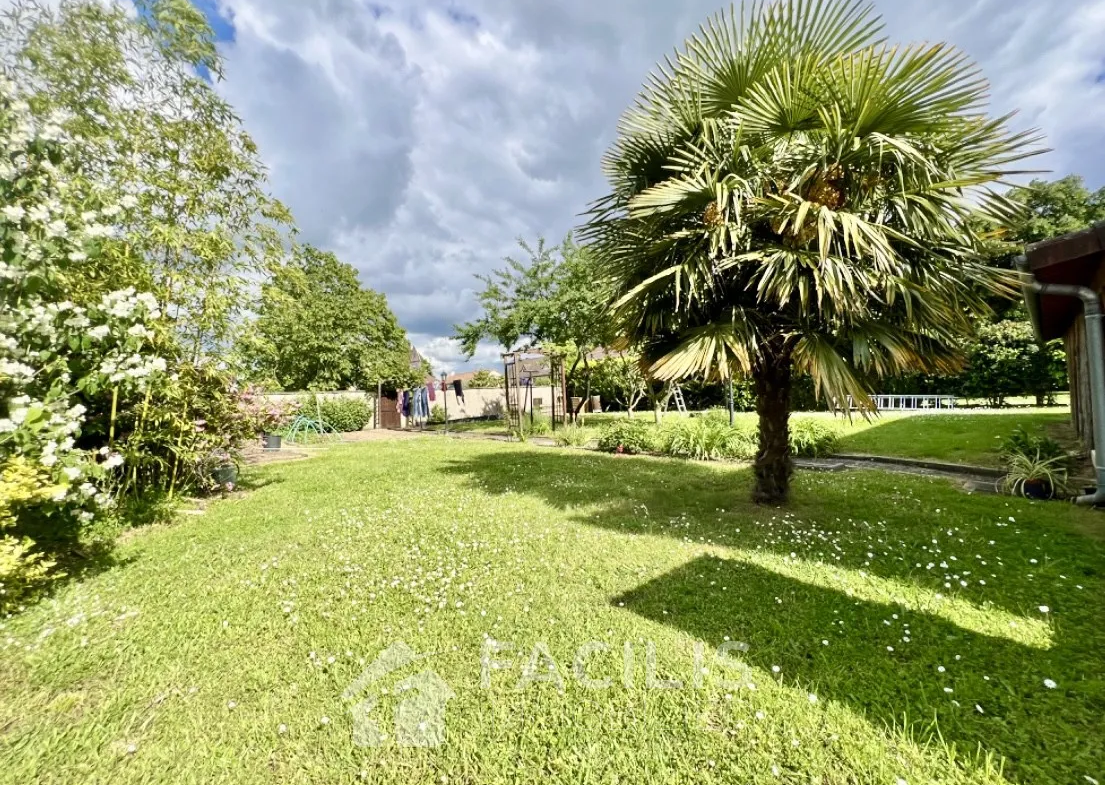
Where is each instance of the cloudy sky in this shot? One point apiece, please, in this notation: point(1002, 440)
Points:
point(419, 138)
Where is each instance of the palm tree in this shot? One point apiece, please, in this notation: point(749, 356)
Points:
point(791, 195)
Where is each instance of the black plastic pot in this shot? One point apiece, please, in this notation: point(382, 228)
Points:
point(1038, 489)
point(271, 441)
point(225, 474)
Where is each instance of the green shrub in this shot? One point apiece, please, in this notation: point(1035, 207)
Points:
point(811, 438)
point(1022, 443)
point(541, 425)
point(631, 437)
point(345, 414)
point(572, 436)
point(23, 571)
point(437, 414)
point(708, 438)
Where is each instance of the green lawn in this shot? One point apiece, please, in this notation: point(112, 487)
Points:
point(956, 438)
point(218, 649)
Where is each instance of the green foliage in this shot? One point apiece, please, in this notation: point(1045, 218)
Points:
point(631, 437)
point(319, 329)
point(24, 573)
point(539, 425)
point(200, 226)
point(484, 379)
point(572, 435)
point(556, 300)
point(344, 414)
point(810, 438)
point(708, 438)
point(192, 422)
point(23, 570)
point(437, 414)
point(1021, 442)
point(1006, 360)
point(1056, 208)
point(1032, 460)
point(786, 197)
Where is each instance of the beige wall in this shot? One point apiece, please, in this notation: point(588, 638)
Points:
point(477, 402)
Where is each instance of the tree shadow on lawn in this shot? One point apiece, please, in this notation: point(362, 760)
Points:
point(1046, 735)
point(887, 525)
point(876, 533)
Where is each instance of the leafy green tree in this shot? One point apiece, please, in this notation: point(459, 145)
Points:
point(485, 380)
point(153, 136)
point(555, 301)
point(790, 195)
point(1006, 360)
point(1056, 208)
point(319, 329)
point(620, 379)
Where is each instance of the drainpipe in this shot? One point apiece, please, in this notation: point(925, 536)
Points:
point(1095, 349)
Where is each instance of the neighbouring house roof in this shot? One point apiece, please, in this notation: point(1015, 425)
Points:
point(1074, 259)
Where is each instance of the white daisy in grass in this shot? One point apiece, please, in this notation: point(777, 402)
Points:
point(1050, 684)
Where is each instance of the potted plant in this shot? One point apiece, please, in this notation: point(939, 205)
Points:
point(223, 470)
point(1036, 467)
point(267, 416)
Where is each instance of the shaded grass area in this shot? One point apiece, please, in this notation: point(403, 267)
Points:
point(182, 664)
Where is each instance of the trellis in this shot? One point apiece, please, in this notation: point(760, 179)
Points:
point(521, 368)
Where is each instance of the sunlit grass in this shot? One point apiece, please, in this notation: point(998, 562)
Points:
point(219, 649)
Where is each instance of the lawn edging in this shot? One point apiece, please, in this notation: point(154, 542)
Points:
point(936, 466)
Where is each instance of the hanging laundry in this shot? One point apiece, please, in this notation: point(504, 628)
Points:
point(458, 389)
point(433, 394)
point(406, 403)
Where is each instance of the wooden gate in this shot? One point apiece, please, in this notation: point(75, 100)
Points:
point(389, 414)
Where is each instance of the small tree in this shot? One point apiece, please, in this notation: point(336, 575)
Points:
point(484, 379)
point(555, 300)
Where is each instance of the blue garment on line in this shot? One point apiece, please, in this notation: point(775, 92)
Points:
point(420, 404)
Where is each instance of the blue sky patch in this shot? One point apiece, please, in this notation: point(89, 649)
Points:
point(223, 27)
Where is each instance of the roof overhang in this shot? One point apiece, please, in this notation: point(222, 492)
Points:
point(1075, 259)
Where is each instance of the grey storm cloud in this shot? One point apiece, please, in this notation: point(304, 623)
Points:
point(419, 138)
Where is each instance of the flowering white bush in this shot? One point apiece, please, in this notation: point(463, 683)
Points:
point(52, 350)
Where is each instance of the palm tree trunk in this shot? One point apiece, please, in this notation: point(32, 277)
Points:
point(772, 378)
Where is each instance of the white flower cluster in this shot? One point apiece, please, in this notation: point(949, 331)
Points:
point(43, 341)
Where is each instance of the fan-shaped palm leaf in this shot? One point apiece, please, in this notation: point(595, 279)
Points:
point(791, 193)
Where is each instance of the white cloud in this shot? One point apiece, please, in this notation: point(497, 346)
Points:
point(418, 139)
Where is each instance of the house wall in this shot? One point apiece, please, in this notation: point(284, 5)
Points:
point(1078, 367)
